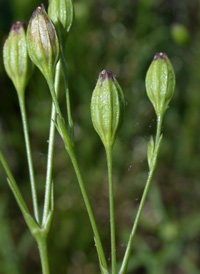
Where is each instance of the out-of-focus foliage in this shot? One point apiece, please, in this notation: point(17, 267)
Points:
point(122, 36)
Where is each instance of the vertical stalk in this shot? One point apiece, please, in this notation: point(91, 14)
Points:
point(53, 95)
point(42, 246)
point(158, 130)
point(69, 146)
point(144, 195)
point(89, 209)
point(111, 206)
point(65, 73)
point(51, 148)
point(29, 155)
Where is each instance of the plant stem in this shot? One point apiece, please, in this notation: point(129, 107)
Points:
point(158, 130)
point(50, 83)
point(29, 156)
point(144, 195)
point(111, 205)
point(31, 223)
point(65, 73)
point(88, 207)
point(13, 185)
point(69, 146)
point(42, 246)
point(48, 186)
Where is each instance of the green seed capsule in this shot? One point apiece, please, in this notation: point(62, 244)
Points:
point(160, 82)
point(17, 63)
point(42, 41)
point(107, 107)
point(61, 13)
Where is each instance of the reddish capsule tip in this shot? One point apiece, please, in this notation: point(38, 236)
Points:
point(39, 10)
point(17, 26)
point(104, 74)
point(34, 13)
point(110, 75)
point(42, 7)
point(160, 55)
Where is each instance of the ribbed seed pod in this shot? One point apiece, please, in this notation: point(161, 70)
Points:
point(107, 107)
point(61, 13)
point(42, 41)
point(160, 82)
point(17, 63)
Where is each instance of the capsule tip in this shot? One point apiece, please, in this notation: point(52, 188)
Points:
point(104, 74)
point(40, 9)
point(17, 26)
point(161, 55)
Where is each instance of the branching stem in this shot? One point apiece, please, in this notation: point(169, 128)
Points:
point(51, 148)
point(72, 155)
point(144, 195)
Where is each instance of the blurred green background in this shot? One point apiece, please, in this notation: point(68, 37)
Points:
point(122, 36)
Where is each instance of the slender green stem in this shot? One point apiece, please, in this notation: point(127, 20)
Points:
point(65, 73)
point(50, 83)
point(31, 223)
point(13, 185)
point(48, 186)
point(42, 246)
point(158, 130)
point(88, 207)
point(33, 226)
point(29, 156)
point(144, 195)
point(111, 205)
point(69, 147)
